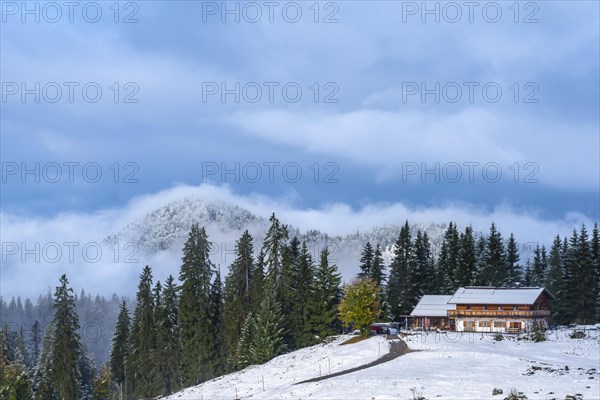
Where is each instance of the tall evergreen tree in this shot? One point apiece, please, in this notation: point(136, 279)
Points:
point(140, 367)
point(538, 270)
point(257, 284)
point(326, 298)
point(267, 341)
point(119, 348)
point(243, 354)
point(378, 267)
point(35, 342)
point(43, 370)
point(273, 246)
point(66, 347)
point(420, 267)
point(218, 354)
point(554, 281)
point(467, 265)
point(495, 273)
point(301, 295)
point(399, 280)
point(194, 315)
point(595, 249)
point(513, 269)
point(366, 262)
point(168, 349)
point(586, 303)
point(238, 284)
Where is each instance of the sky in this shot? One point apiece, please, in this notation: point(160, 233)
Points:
point(340, 115)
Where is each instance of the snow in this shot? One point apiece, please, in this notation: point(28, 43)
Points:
point(481, 295)
point(452, 366)
point(433, 306)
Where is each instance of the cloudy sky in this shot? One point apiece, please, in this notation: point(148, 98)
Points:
point(338, 115)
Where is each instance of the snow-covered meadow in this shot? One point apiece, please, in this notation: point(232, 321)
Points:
point(453, 366)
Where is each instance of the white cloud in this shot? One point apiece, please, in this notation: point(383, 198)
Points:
point(108, 275)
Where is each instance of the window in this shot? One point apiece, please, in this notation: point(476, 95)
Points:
point(468, 307)
point(500, 308)
point(516, 308)
point(484, 324)
point(499, 324)
point(515, 325)
point(484, 307)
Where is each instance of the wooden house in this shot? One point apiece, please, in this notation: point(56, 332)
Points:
point(432, 312)
point(491, 309)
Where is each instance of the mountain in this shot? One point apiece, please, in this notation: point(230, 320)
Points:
point(166, 229)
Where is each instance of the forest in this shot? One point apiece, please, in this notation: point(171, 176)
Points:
point(274, 299)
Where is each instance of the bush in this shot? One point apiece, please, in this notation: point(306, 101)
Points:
point(498, 337)
point(515, 395)
point(577, 335)
point(538, 334)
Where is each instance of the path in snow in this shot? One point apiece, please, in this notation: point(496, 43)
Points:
point(397, 348)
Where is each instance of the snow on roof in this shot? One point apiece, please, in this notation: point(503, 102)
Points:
point(433, 306)
point(492, 295)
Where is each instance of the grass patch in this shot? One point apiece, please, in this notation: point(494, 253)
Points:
point(354, 339)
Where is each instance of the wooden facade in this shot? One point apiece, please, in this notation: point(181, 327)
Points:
point(484, 314)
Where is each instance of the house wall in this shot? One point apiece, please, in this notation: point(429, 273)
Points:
point(503, 325)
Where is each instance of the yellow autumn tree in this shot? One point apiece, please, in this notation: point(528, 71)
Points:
point(361, 304)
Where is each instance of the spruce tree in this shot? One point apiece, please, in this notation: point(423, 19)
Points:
point(537, 269)
point(119, 348)
point(420, 268)
point(513, 269)
point(465, 272)
point(267, 340)
point(273, 246)
point(238, 285)
point(243, 354)
point(572, 277)
point(586, 312)
point(168, 349)
point(366, 262)
point(495, 273)
point(257, 284)
point(378, 267)
point(554, 281)
point(326, 298)
point(301, 288)
point(218, 354)
point(480, 257)
point(66, 347)
point(42, 375)
point(595, 248)
point(140, 368)
point(194, 307)
point(399, 280)
point(35, 342)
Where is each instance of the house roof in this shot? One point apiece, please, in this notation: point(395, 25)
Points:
point(493, 295)
point(433, 306)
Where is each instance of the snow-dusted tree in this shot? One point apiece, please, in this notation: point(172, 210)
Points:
point(554, 281)
point(399, 280)
point(301, 292)
point(238, 285)
point(464, 275)
point(267, 338)
point(66, 348)
point(448, 260)
point(43, 369)
point(273, 246)
point(119, 347)
point(168, 346)
point(194, 307)
point(139, 362)
point(513, 269)
point(218, 354)
point(378, 267)
point(326, 298)
point(243, 354)
point(366, 262)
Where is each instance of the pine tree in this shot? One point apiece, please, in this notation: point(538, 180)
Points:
point(66, 347)
point(586, 312)
point(273, 246)
point(119, 348)
point(243, 354)
point(42, 374)
point(194, 303)
point(513, 268)
point(495, 273)
point(378, 267)
point(168, 349)
point(326, 298)
point(572, 277)
point(480, 257)
point(35, 342)
point(467, 265)
point(399, 281)
point(218, 354)
point(366, 262)
point(140, 367)
point(238, 284)
point(267, 341)
point(595, 249)
point(301, 288)
point(420, 267)
point(554, 281)
point(449, 260)
point(257, 284)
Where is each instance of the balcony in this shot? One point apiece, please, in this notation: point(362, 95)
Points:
point(498, 313)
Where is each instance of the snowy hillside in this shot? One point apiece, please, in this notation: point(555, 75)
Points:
point(166, 228)
point(469, 366)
